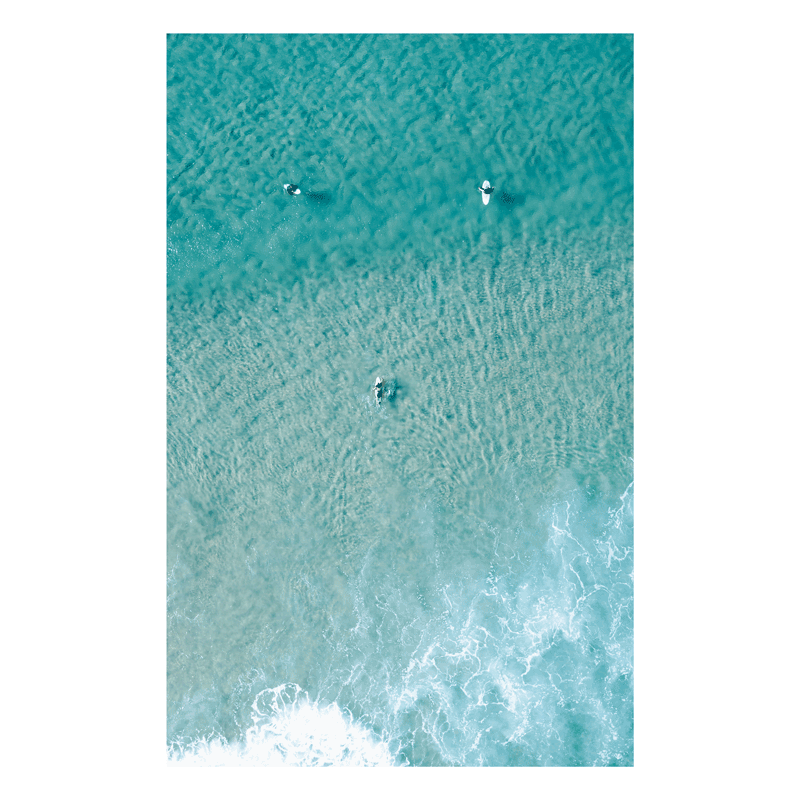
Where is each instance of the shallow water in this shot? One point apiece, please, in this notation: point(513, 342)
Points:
point(446, 579)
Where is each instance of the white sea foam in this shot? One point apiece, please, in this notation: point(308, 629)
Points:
point(510, 659)
point(290, 730)
point(495, 671)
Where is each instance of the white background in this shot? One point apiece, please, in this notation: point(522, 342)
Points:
point(84, 391)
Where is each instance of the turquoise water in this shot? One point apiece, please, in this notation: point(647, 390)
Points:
point(446, 578)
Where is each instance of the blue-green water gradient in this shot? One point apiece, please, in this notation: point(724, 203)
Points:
point(446, 578)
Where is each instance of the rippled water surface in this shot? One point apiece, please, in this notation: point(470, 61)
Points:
point(446, 578)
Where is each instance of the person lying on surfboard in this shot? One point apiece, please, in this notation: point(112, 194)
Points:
point(378, 389)
point(486, 191)
point(291, 188)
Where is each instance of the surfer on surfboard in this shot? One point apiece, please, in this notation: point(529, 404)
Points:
point(291, 188)
point(486, 191)
point(378, 389)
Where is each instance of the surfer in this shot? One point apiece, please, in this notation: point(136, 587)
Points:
point(291, 188)
point(378, 389)
point(486, 191)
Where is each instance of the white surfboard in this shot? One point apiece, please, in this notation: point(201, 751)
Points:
point(485, 196)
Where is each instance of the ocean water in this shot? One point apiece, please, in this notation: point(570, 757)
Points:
point(445, 579)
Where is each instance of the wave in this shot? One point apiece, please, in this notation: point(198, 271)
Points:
point(532, 665)
point(519, 656)
point(289, 730)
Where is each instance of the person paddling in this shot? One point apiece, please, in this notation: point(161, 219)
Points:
point(486, 191)
point(291, 188)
